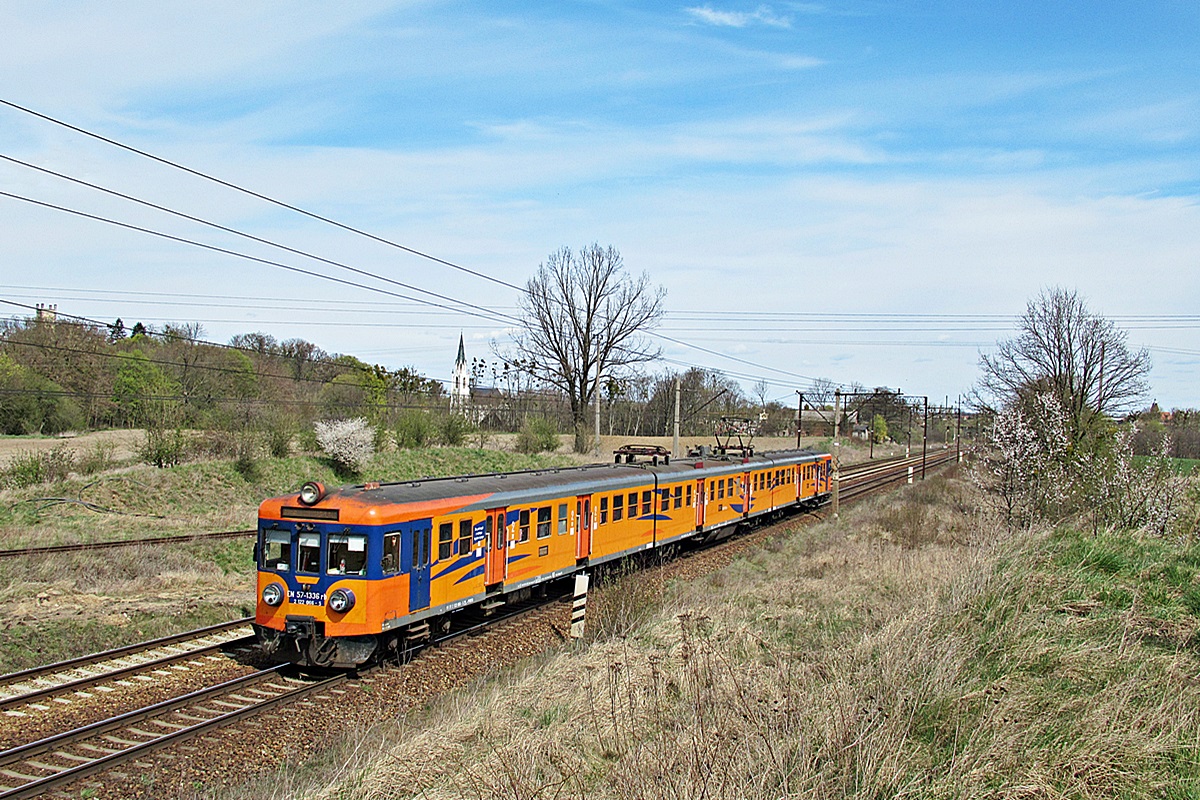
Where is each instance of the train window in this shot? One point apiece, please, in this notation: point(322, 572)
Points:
point(632, 504)
point(310, 553)
point(678, 496)
point(523, 536)
point(689, 495)
point(464, 536)
point(391, 554)
point(665, 495)
point(721, 489)
point(445, 540)
point(603, 511)
point(347, 554)
point(562, 519)
point(543, 525)
point(618, 507)
point(647, 504)
point(276, 550)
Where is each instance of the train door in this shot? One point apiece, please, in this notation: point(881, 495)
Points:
point(747, 494)
point(497, 556)
point(701, 501)
point(583, 513)
point(418, 576)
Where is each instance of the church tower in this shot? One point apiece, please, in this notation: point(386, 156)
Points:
point(460, 394)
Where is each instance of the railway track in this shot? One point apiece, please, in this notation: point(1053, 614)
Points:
point(80, 546)
point(33, 685)
point(53, 762)
point(38, 767)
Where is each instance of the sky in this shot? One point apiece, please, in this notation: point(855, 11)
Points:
point(862, 192)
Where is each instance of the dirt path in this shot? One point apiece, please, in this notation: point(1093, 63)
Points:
point(124, 443)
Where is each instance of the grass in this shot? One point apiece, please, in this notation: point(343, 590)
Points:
point(848, 661)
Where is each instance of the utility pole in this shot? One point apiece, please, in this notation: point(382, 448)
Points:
point(597, 416)
point(799, 417)
point(675, 438)
point(958, 433)
point(837, 448)
point(925, 437)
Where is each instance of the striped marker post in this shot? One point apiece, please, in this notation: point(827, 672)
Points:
point(579, 605)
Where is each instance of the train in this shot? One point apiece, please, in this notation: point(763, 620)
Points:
point(350, 575)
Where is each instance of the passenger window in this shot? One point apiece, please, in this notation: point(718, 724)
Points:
point(347, 554)
point(721, 489)
point(618, 507)
point(277, 550)
point(562, 519)
point(310, 552)
point(603, 511)
point(543, 528)
point(666, 500)
point(632, 503)
point(524, 534)
point(445, 540)
point(464, 536)
point(689, 495)
point(678, 496)
point(391, 554)
point(647, 504)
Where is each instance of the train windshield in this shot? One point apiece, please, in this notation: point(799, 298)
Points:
point(347, 554)
point(277, 550)
point(310, 553)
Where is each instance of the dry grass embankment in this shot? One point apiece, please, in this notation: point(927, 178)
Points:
point(912, 649)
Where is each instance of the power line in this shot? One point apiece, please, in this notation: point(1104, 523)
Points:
point(258, 195)
point(236, 232)
point(234, 253)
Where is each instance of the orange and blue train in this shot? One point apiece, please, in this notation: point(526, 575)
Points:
point(353, 574)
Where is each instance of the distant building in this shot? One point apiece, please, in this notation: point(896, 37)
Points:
point(47, 313)
point(460, 393)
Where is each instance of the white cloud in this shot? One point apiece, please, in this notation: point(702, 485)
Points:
point(763, 15)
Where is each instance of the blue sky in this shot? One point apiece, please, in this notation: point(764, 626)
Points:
point(856, 191)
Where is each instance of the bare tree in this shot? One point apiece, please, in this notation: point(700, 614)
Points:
point(1063, 349)
point(583, 316)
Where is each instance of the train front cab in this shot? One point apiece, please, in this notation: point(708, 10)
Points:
point(317, 582)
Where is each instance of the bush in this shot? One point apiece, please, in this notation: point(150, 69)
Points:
point(30, 467)
point(163, 447)
point(98, 458)
point(350, 443)
point(453, 430)
point(413, 430)
point(278, 432)
point(537, 435)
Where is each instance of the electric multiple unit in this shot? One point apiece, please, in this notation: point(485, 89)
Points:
point(347, 575)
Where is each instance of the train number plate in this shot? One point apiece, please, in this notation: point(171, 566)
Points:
point(306, 598)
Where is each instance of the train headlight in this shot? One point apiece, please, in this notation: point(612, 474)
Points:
point(341, 601)
point(311, 493)
point(272, 594)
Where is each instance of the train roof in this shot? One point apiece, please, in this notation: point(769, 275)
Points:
point(472, 492)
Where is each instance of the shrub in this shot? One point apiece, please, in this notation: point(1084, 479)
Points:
point(278, 432)
point(413, 430)
point(350, 443)
point(163, 447)
point(537, 435)
point(98, 458)
point(453, 430)
point(30, 467)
